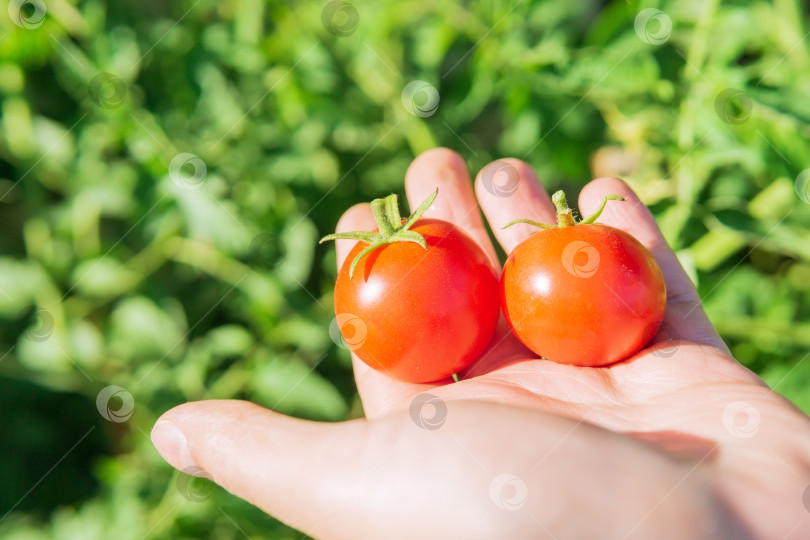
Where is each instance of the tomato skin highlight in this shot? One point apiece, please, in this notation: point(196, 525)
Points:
point(426, 313)
point(586, 295)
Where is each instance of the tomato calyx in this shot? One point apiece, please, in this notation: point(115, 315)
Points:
point(390, 225)
point(565, 216)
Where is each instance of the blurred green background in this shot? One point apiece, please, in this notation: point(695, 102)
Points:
point(166, 169)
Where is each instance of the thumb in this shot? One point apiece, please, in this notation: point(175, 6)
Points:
point(293, 469)
point(390, 478)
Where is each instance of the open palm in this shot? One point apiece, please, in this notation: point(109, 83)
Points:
point(679, 441)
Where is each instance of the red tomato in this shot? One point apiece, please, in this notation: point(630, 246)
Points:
point(587, 295)
point(418, 314)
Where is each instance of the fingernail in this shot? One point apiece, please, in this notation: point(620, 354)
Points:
point(171, 444)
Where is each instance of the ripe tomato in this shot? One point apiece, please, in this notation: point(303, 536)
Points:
point(582, 294)
point(418, 313)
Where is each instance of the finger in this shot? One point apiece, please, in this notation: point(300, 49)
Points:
point(507, 190)
point(273, 461)
point(685, 318)
point(379, 392)
point(346, 480)
point(444, 169)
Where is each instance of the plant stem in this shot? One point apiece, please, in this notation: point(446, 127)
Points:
point(565, 217)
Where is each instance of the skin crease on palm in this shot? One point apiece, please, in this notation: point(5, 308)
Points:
point(679, 441)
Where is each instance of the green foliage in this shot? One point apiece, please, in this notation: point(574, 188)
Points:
point(166, 169)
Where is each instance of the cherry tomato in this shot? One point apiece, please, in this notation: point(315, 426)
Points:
point(582, 294)
point(417, 313)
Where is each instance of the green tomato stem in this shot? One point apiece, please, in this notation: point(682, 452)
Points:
point(382, 215)
point(530, 222)
point(565, 217)
point(390, 226)
point(593, 217)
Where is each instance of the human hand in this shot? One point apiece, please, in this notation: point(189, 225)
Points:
point(679, 441)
